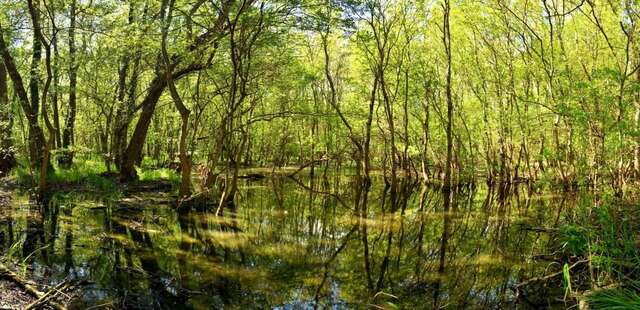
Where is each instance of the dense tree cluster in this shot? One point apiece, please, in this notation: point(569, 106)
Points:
point(438, 90)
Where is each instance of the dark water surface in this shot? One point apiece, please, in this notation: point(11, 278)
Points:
point(289, 245)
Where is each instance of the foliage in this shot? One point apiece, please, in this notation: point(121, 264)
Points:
point(614, 299)
point(603, 231)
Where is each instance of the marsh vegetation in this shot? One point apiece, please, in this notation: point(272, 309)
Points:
point(319, 154)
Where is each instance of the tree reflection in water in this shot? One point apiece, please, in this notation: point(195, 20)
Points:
point(309, 243)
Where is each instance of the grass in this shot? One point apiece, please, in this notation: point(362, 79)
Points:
point(87, 172)
point(160, 174)
point(604, 230)
point(614, 299)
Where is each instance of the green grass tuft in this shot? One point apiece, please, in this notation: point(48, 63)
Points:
point(85, 171)
point(161, 174)
point(574, 239)
point(614, 299)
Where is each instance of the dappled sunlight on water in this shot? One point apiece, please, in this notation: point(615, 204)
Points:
point(284, 246)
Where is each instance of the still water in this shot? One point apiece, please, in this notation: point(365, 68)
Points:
point(293, 245)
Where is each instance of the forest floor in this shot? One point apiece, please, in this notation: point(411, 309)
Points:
point(13, 297)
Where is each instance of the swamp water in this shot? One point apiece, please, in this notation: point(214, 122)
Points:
point(289, 245)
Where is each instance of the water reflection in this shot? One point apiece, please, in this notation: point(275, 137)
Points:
point(293, 244)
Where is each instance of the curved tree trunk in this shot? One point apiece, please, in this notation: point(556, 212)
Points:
point(134, 150)
point(185, 159)
point(36, 136)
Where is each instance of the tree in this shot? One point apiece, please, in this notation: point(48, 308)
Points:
point(7, 153)
point(148, 105)
point(69, 124)
point(30, 107)
point(446, 40)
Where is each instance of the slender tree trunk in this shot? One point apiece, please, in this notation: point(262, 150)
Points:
point(7, 155)
point(120, 126)
point(425, 135)
point(185, 159)
point(367, 140)
point(36, 147)
point(68, 134)
point(390, 121)
point(636, 118)
point(447, 45)
point(56, 82)
point(34, 83)
point(405, 123)
point(36, 136)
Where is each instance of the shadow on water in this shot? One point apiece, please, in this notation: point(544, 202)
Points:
point(293, 244)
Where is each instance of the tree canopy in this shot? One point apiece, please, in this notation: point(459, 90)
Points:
point(510, 90)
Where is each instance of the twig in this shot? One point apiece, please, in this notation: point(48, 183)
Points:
point(547, 277)
point(539, 229)
point(48, 295)
point(100, 305)
point(542, 229)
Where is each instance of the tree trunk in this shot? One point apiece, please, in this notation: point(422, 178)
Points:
point(636, 118)
point(425, 135)
point(7, 156)
point(56, 83)
point(447, 46)
point(68, 134)
point(185, 159)
point(367, 140)
point(126, 95)
point(45, 163)
point(405, 123)
point(134, 150)
point(36, 136)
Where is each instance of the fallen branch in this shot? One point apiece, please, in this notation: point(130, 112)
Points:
point(548, 257)
point(547, 277)
point(542, 229)
point(309, 163)
point(48, 295)
point(539, 229)
point(317, 161)
point(27, 286)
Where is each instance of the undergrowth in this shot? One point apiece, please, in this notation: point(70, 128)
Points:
point(87, 173)
point(604, 230)
point(159, 174)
